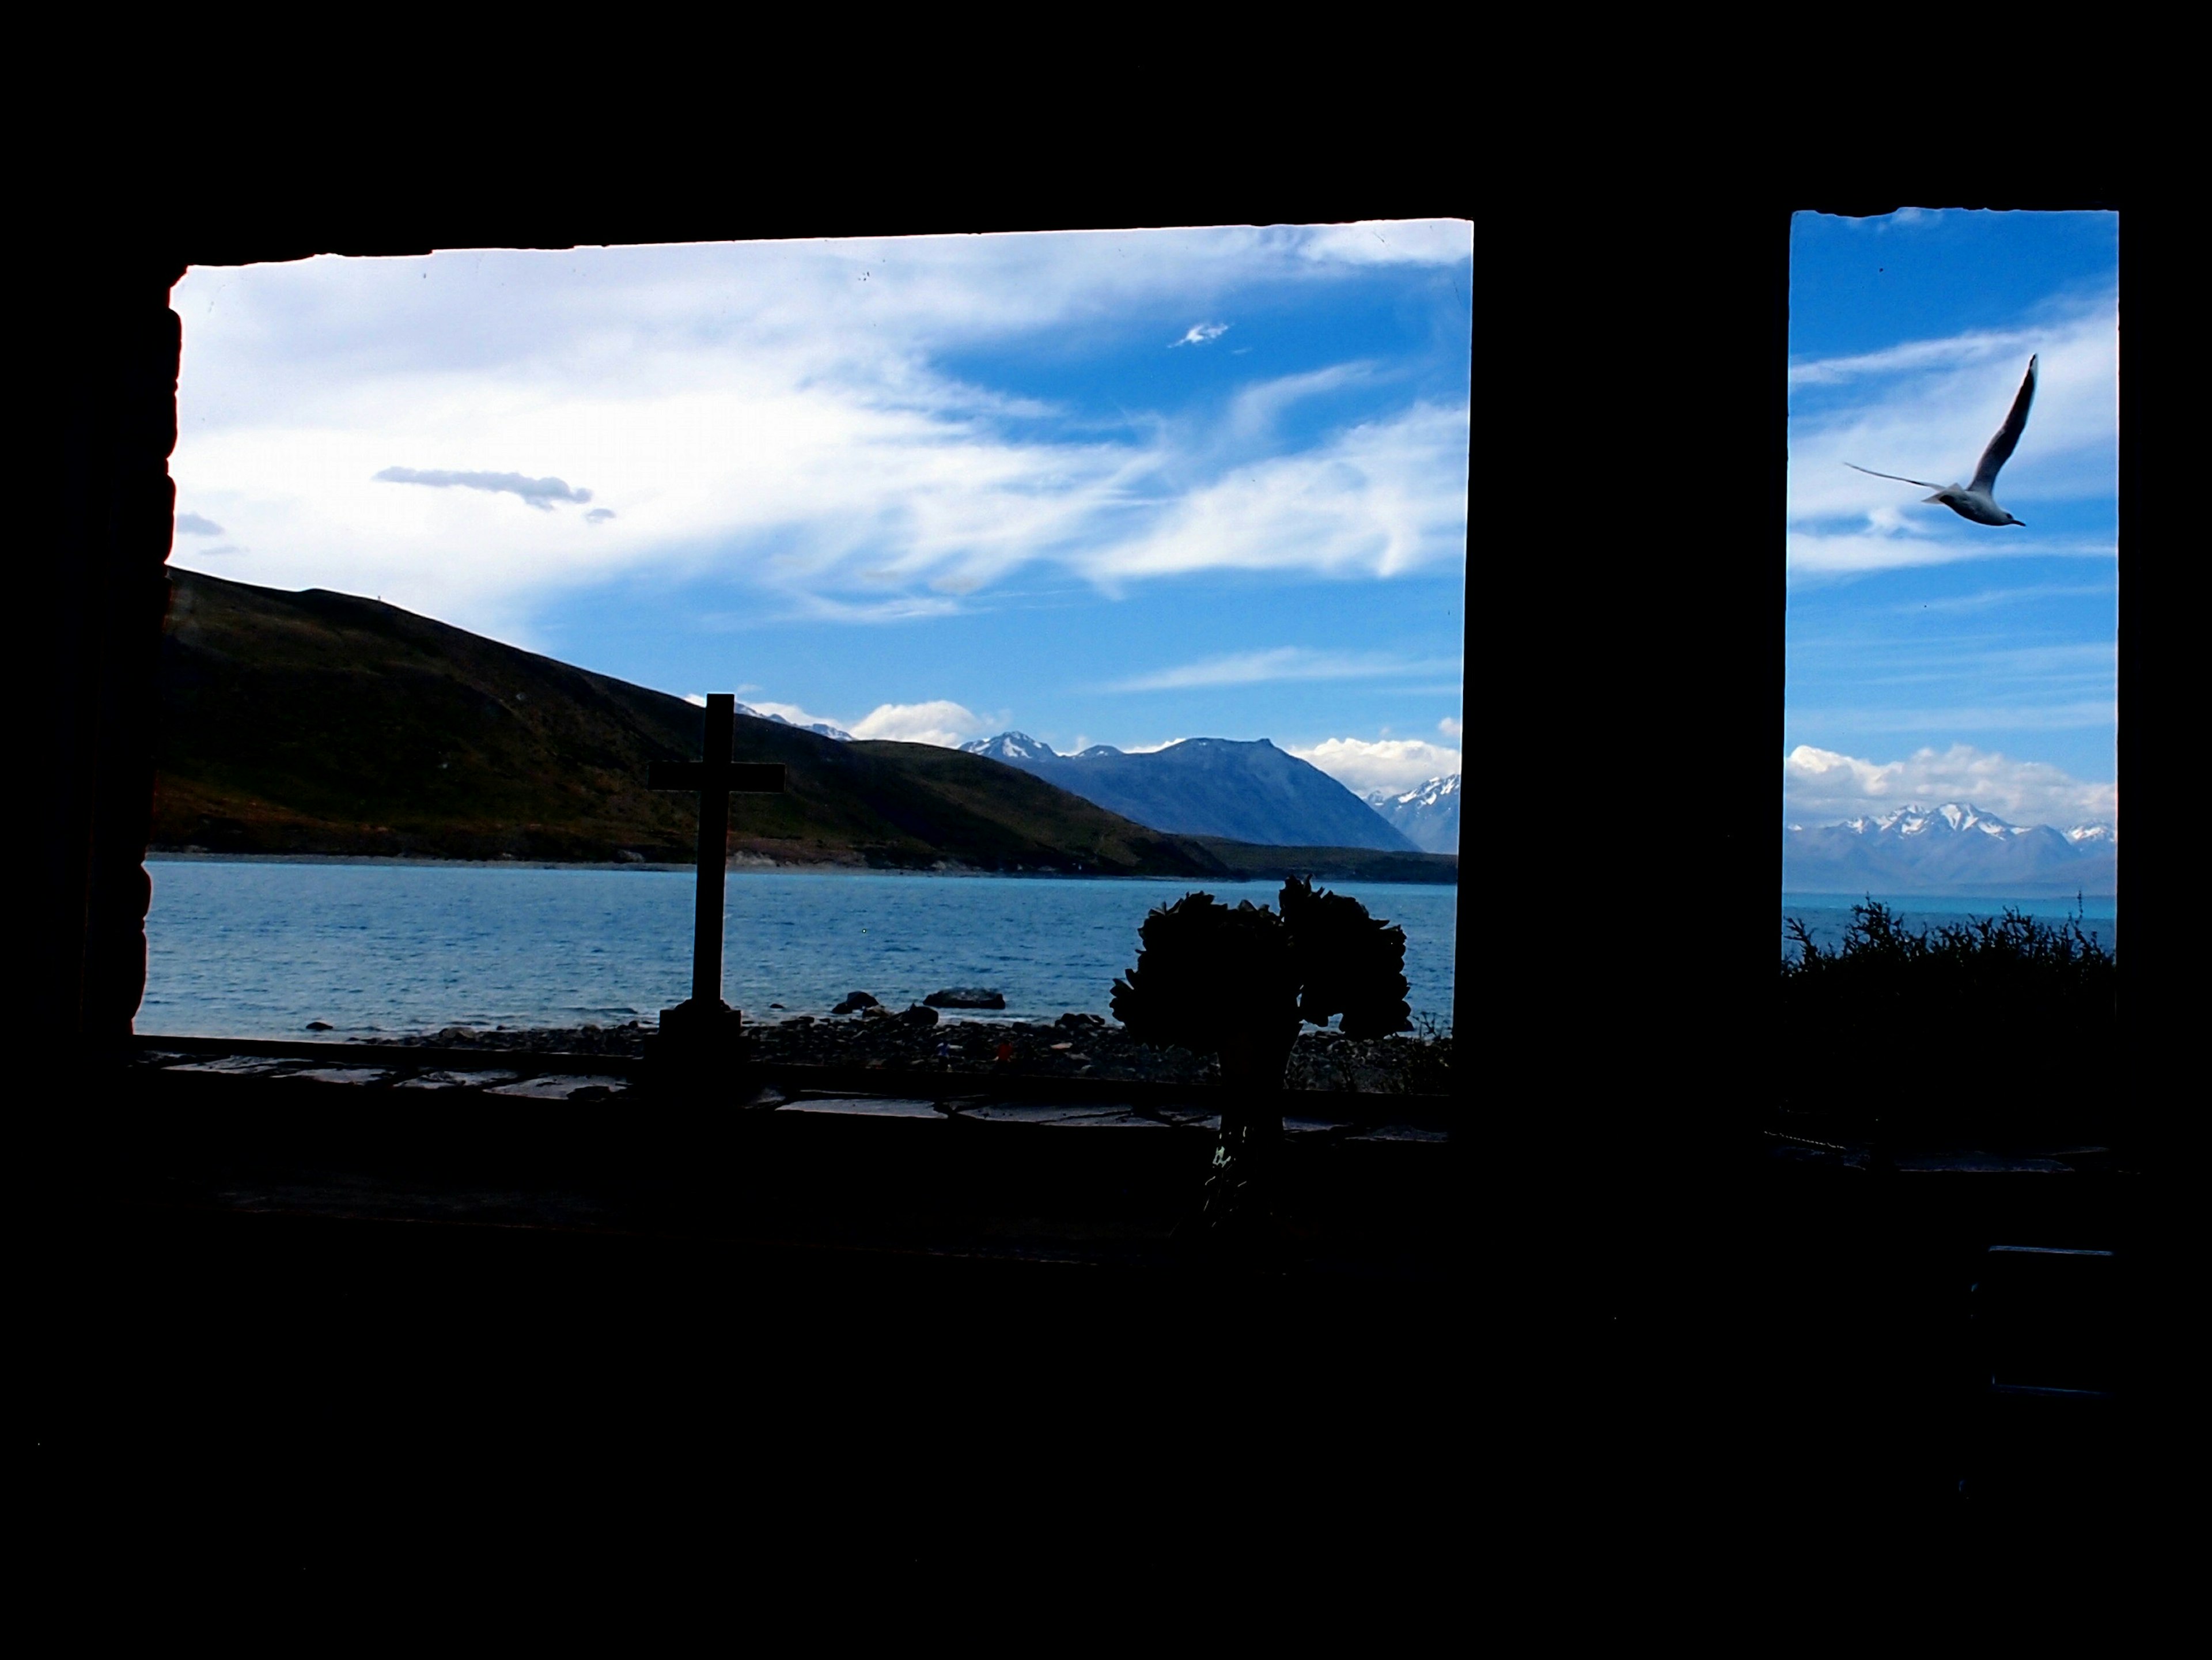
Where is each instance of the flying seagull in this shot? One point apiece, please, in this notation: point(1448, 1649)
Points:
point(1975, 501)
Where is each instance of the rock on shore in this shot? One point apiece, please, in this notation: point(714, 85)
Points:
point(1074, 1046)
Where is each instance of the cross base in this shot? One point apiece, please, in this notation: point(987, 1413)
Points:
point(701, 1048)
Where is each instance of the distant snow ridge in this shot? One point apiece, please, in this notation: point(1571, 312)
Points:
point(1961, 817)
point(1956, 847)
point(1427, 815)
point(821, 727)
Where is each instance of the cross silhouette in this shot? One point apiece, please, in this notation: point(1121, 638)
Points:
point(715, 778)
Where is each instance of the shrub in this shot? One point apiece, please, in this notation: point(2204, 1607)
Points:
point(1994, 1020)
point(1207, 974)
point(1985, 959)
point(1348, 963)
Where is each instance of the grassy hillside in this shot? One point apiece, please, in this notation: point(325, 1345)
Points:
point(319, 722)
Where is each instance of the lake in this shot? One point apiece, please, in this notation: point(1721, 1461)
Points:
point(241, 948)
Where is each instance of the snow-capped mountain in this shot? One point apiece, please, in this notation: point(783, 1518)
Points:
point(1016, 747)
point(1246, 791)
point(1427, 815)
point(822, 727)
point(1955, 848)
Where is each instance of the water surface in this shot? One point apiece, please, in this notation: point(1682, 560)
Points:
point(244, 948)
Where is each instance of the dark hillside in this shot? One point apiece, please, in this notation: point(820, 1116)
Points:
point(1273, 864)
point(321, 722)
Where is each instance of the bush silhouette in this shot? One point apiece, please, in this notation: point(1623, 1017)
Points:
point(1347, 962)
point(1218, 980)
point(1992, 1024)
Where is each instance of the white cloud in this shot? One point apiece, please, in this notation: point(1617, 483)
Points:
point(1823, 786)
point(945, 724)
point(1448, 725)
point(191, 524)
point(1200, 333)
point(1419, 241)
point(775, 414)
point(1388, 763)
point(1283, 663)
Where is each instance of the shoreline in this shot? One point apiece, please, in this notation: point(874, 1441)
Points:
point(738, 865)
point(1075, 1046)
point(1925, 898)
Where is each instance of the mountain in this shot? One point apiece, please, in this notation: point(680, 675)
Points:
point(323, 723)
point(1018, 748)
point(1427, 815)
point(1243, 792)
point(1953, 849)
point(823, 728)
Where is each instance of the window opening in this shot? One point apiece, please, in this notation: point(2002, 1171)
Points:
point(1950, 788)
point(1174, 521)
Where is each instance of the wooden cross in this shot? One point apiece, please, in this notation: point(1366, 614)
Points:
point(714, 777)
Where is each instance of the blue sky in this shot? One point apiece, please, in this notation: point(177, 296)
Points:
point(1931, 659)
point(1120, 488)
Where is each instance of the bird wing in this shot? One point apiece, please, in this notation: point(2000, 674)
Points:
point(2001, 446)
point(1900, 477)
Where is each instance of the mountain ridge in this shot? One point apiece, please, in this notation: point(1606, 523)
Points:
point(319, 722)
point(1954, 846)
point(1427, 815)
point(1242, 790)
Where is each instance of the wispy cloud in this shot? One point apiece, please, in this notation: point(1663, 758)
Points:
point(191, 524)
point(1997, 671)
point(1283, 663)
point(1994, 599)
point(1199, 334)
point(1885, 545)
point(1381, 499)
point(1926, 409)
point(904, 608)
point(540, 493)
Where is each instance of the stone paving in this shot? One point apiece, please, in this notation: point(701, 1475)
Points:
point(972, 1166)
point(940, 1091)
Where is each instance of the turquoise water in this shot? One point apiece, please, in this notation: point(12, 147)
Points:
point(1825, 916)
point(245, 949)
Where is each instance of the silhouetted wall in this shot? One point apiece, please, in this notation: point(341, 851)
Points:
point(115, 414)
